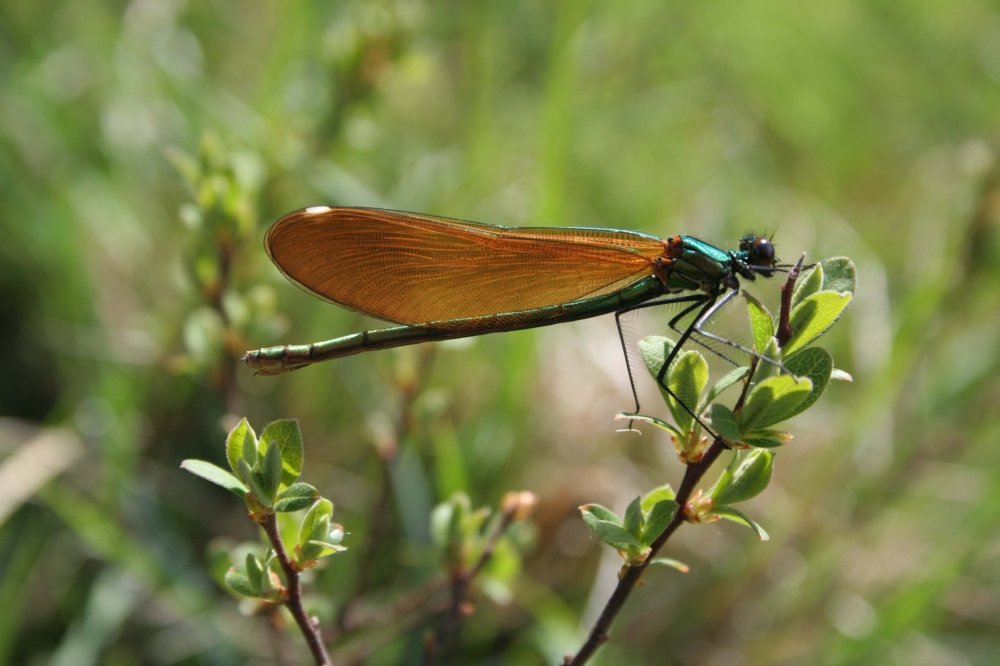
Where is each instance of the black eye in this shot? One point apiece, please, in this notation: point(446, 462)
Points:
point(762, 252)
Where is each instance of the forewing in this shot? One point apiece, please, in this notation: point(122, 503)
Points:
point(412, 269)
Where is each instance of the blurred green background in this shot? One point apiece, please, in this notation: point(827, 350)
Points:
point(145, 146)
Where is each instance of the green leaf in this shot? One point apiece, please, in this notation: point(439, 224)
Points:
point(505, 565)
point(238, 581)
point(817, 365)
point(652, 420)
point(241, 442)
point(808, 284)
point(654, 351)
point(215, 474)
point(501, 572)
point(633, 518)
point(259, 489)
point(761, 322)
point(441, 518)
point(285, 434)
point(813, 316)
point(313, 549)
point(315, 526)
point(766, 438)
point(608, 527)
point(266, 583)
point(772, 401)
point(840, 275)
point(769, 368)
point(657, 520)
point(270, 472)
point(598, 512)
point(725, 422)
point(733, 376)
point(448, 518)
point(746, 476)
point(477, 519)
point(319, 549)
point(670, 562)
point(254, 571)
point(688, 377)
point(244, 471)
point(664, 492)
point(612, 534)
point(296, 497)
point(736, 516)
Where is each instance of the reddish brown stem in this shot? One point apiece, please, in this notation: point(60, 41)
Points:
point(785, 331)
point(293, 593)
point(461, 581)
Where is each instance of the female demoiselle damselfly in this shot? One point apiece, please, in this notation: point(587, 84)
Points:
point(440, 278)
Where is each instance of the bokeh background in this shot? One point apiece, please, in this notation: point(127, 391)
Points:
point(145, 146)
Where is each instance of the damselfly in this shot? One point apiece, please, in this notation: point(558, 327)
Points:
point(440, 278)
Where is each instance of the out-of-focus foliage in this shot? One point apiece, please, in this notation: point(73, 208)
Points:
point(145, 145)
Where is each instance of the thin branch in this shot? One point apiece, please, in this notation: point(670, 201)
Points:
point(694, 472)
point(293, 592)
point(628, 581)
point(785, 331)
point(515, 505)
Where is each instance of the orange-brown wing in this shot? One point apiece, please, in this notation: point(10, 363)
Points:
point(413, 269)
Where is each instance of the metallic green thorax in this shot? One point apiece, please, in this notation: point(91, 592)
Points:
point(701, 267)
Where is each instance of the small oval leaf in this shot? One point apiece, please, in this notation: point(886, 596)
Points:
point(657, 520)
point(809, 284)
point(766, 438)
point(238, 582)
point(633, 518)
point(761, 322)
point(241, 442)
point(614, 535)
point(839, 274)
point(598, 512)
point(772, 401)
point(813, 316)
point(285, 434)
point(687, 380)
point(747, 476)
point(654, 350)
point(816, 364)
point(736, 516)
point(664, 492)
point(725, 422)
point(215, 474)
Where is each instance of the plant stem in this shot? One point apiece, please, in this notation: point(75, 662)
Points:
point(461, 581)
point(628, 580)
point(785, 331)
point(293, 593)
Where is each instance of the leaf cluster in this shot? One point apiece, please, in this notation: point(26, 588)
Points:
point(785, 378)
point(265, 473)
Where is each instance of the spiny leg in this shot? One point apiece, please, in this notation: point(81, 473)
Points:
point(696, 301)
point(700, 322)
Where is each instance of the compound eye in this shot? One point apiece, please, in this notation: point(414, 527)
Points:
point(762, 252)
